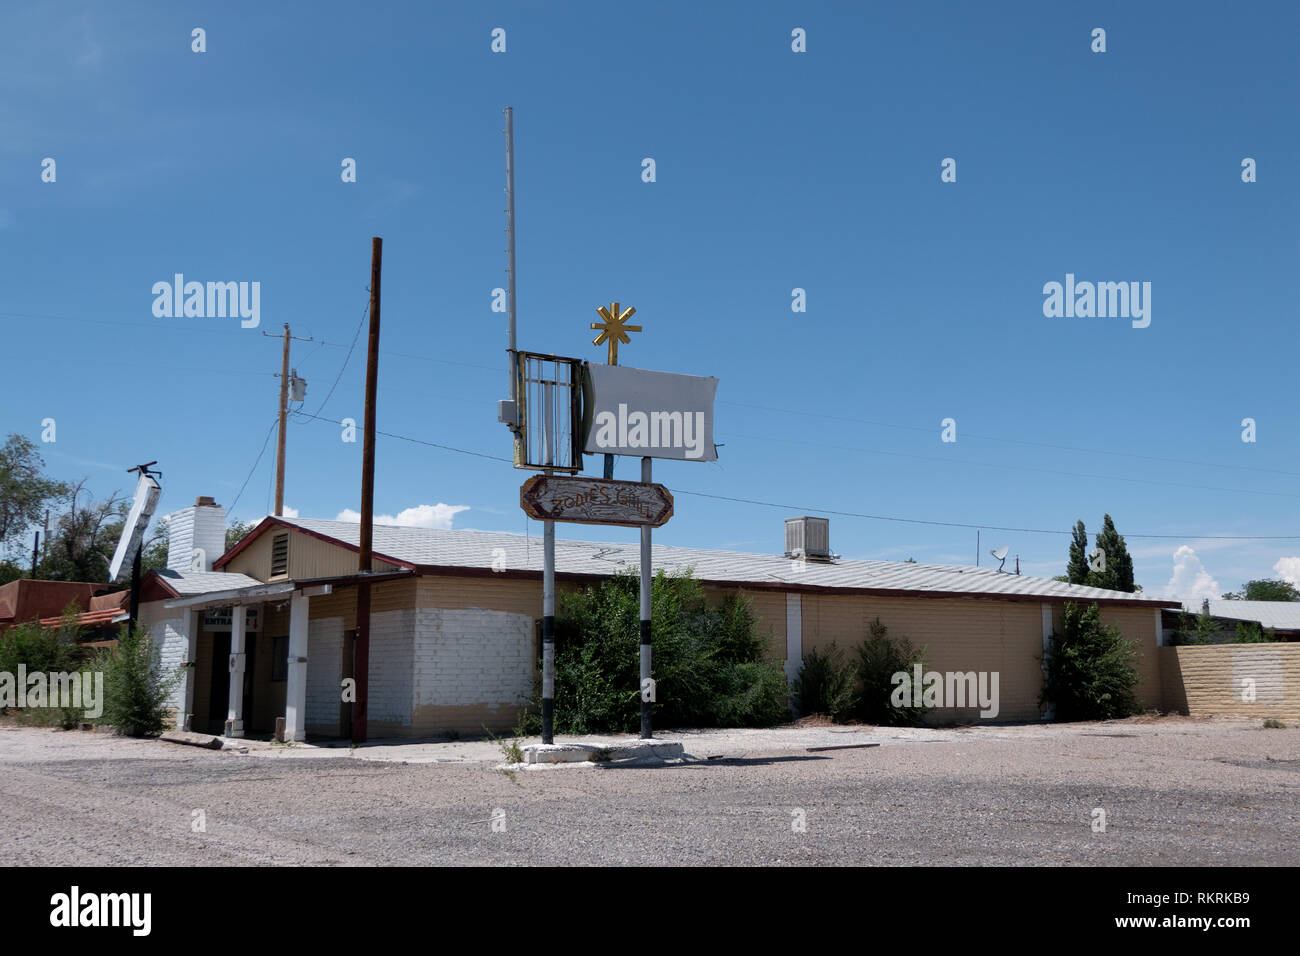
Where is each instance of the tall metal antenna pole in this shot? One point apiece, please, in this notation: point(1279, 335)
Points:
point(510, 246)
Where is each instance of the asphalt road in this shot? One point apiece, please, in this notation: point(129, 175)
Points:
point(1173, 792)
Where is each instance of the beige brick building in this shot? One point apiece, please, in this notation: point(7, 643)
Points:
point(267, 630)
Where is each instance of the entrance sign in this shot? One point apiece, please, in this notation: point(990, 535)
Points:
point(146, 499)
point(646, 414)
point(596, 501)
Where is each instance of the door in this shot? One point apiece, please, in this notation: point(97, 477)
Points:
point(250, 659)
point(219, 697)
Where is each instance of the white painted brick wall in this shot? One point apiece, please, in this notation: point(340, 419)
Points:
point(195, 527)
point(168, 635)
point(391, 645)
point(324, 670)
point(472, 656)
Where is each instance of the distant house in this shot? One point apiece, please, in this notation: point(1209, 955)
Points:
point(27, 600)
point(455, 636)
point(1279, 620)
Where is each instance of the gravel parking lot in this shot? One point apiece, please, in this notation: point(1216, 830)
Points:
point(1174, 792)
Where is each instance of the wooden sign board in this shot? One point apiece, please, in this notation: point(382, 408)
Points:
point(631, 504)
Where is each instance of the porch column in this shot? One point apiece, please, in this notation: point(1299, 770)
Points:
point(295, 696)
point(193, 620)
point(235, 715)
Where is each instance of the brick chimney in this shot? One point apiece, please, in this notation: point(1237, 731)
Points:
point(196, 536)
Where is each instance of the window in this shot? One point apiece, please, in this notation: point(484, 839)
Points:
point(279, 659)
point(280, 556)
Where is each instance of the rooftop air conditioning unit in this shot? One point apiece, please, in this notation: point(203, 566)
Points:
point(808, 538)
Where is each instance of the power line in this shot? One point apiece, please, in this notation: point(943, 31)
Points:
point(1012, 441)
point(1018, 468)
point(984, 527)
point(855, 514)
point(191, 327)
point(346, 359)
point(274, 422)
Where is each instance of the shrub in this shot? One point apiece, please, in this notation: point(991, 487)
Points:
point(1249, 632)
point(861, 687)
point(135, 687)
point(824, 685)
point(709, 666)
point(45, 650)
point(1091, 669)
point(878, 659)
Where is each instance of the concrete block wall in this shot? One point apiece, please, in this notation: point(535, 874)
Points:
point(473, 668)
point(324, 672)
point(392, 643)
point(1215, 680)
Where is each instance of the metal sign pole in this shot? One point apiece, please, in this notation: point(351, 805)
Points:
point(647, 684)
point(548, 634)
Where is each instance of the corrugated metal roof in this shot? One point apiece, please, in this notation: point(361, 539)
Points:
point(479, 550)
point(1277, 615)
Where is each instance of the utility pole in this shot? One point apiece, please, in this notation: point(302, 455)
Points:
point(361, 649)
point(284, 417)
point(36, 548)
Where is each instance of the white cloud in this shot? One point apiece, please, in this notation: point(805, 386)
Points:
point(1190, 581)
point(1288, 569)
point(290, 512)
point(421, 516)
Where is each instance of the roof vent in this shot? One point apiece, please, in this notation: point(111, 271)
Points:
point(808, 538)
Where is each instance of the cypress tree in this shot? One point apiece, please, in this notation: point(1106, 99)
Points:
point(1077, 570)
point(1118, 575)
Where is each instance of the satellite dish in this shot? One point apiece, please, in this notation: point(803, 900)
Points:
point(146, 499)
point(1001, 555)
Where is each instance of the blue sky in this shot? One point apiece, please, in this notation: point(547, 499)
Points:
point(775, 170)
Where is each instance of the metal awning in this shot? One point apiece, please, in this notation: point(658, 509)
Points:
point(311, 587)
point(233, 596)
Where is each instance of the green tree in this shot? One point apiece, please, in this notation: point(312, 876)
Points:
point(1118, 570)
point(1265, 590)
point(236, 532)
point(1091, 668)
point(1077, 571)
point(84, 538)
point(24, 491)
point(153, 553)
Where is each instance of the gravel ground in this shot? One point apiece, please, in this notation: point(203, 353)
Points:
point(1175, 792)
